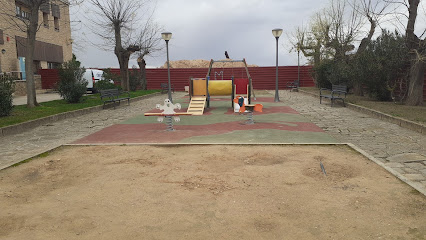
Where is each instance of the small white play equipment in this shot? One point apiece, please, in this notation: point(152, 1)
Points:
point(168, 113)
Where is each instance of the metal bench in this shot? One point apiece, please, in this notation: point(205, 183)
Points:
point(165, 88)
point(113, 95)
point(336, 92)
point(293, 86)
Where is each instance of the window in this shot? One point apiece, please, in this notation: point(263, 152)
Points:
point(20, 12)
point(52, 65)
point(56, 22)
point(1, 38)
point(46, 20)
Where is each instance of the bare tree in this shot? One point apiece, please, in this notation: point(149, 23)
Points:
point(149, 42)
point(311, 40)
point(339, 26)
point(114, 22)
point(406, 14)
point(333, 31)
point(417, 51)
point(28, 24)
point(373, 11)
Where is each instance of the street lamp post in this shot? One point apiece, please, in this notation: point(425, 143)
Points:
point(277, 33)
point(167, 36)
point(298, 65)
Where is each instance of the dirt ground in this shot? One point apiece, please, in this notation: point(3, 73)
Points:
point(207, 192)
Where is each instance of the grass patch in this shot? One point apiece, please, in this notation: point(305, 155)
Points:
point(22, 114)
point(41, 155)
point(412, 113)
point(415, 192)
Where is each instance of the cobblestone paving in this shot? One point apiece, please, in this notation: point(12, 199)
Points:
point(16, 148)
point(401, 149)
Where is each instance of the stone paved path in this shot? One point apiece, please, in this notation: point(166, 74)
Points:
point(401, 149)
point(19, 147)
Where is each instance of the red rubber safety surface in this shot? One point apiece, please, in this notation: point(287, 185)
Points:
point(219, 124)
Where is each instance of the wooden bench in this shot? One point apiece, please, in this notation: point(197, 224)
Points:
point(165, 88)
point(336, 92)
point(113, 95)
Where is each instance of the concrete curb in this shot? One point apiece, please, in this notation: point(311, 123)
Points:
point(418, 127)
point(22, 127)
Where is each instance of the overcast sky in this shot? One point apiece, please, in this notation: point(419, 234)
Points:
point(204, 29)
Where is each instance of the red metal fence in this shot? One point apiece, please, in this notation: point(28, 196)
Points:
point(263, 77)
point(49, 78)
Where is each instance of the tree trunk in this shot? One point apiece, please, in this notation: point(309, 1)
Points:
point(121, 53)
point(416, 82)
point(365, 41)
point(358, 89)
point(124, 72)
point(29, 57)
point(123, 57)
point(142, 68)
point(317, 62)
point(417, 67)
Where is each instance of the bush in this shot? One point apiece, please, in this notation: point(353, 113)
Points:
point(108, 75)
point(72, 85)
point(105, 84)
point(322, 72)
point(383, 65)
point(6, 90)
point(134, 80)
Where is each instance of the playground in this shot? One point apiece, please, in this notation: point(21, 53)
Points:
point(210, 113)
point(226, 172)
point(277, 123)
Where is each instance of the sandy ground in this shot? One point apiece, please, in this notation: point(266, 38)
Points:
point(207, 192)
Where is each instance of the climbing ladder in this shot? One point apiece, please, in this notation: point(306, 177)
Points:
point(196, 106)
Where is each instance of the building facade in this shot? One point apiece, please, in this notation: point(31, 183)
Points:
point(53, 42)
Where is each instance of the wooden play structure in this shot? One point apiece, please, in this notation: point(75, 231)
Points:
point(201, 89)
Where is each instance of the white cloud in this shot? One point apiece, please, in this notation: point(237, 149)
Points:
point(204, 29)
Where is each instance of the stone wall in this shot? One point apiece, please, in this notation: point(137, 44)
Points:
point(21, 86)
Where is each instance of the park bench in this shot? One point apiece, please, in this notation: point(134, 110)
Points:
point(113, 95)
point(165, 88)
point(336, 92)
point(294, 85)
